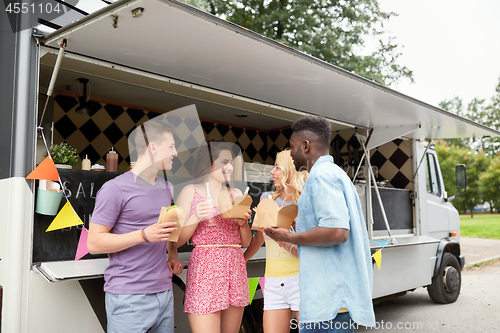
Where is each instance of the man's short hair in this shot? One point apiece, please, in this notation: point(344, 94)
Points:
point(150, 131)
point(316, 125)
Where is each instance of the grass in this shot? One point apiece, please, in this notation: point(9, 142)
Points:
point(492, 262)
point(481, 226)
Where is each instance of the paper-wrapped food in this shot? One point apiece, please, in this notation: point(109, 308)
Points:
point(269, 214)
point(173, 214)
point(235, 208)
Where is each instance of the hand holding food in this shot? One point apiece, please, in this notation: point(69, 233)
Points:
point(158, 232)
point(173, 214)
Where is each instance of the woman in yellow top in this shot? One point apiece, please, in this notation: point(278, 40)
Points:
point(281, 291)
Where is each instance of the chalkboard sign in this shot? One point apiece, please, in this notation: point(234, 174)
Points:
point(80, 187)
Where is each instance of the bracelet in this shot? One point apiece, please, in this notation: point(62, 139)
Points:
point(143, 234)
point(291, 247)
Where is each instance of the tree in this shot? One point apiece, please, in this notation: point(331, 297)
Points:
point(476, 163)
point(490, 184)
point(456, 106)
point(490, 116)
point(200, 4)
point(480, 111)
point(330, 30)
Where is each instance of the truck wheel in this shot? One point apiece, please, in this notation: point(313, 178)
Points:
point(445, 286)
point(247, 322)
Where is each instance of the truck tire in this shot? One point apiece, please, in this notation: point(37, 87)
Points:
point(445, 286)
point(247, 322)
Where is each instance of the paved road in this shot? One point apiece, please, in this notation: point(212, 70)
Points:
point(476, 310)
point(479, 249)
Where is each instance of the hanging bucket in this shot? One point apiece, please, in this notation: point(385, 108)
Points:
point(47, 202)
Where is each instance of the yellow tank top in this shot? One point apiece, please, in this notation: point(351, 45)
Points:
point(280, 262)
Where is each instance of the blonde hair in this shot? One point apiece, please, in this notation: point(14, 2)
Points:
point(292, 179)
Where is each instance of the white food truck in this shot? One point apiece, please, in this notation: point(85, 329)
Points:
point(141, 58)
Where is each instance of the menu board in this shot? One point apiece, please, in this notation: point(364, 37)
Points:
point(80, 187)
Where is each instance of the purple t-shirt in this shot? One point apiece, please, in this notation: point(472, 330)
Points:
point(128, 203)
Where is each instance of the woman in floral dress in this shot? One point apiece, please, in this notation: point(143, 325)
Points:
point(217, 285)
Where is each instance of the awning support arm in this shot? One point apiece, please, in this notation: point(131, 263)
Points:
point(364, 154)
point(392, 240)
point(50, 91)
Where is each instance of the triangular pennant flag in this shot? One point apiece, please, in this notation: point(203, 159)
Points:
point(67, 217)
point(378, 258)
point(82, 244)
point(262, 283)
point(252, 287)
point(383, 244)
point(45, 170)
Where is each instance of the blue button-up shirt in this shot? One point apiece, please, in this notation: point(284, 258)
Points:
point(338, 276)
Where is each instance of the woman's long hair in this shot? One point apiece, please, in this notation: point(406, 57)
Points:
point(205, 157)
point(292, 181)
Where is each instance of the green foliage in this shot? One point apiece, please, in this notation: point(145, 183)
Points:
point(456, 106)
point(478, 110)
point(63, 153)
point(490, 183)
point(200, 4)
point(476, 163)
point(330, 30)
point(481, 226)
point(483, 166)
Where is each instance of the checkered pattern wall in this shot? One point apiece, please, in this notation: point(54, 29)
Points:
point(109, 126)
point(253, 143)
point(391, 161)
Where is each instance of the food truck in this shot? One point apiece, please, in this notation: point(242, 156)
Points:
point(98, 78)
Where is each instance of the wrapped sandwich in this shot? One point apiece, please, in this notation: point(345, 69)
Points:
point(173, 214)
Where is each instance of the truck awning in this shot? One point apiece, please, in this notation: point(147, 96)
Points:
point(177, 41)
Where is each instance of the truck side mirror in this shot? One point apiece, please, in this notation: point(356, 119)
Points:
point(461, 177)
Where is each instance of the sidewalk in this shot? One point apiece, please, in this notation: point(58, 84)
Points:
point(477, 250)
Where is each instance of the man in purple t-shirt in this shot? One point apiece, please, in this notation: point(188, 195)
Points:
point(138, 285)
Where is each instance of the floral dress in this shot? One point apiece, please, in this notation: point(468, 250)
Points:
point(216, 275)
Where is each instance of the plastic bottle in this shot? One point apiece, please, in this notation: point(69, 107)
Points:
point(86, 163)
point(210, 220)
point(112, 161)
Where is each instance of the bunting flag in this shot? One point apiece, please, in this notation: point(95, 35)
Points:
point(252, 287)
point(67, 217)
point(45, 170)
point(82, 244)
point(378, 258)
point(383, 244)
point(262, 283)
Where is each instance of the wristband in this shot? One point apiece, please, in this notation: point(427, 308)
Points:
point(143, 234)
point(291, 247)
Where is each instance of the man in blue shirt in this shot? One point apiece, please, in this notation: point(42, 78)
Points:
point(335, 263)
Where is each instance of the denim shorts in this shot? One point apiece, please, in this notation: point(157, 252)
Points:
point(282, 293)
point(152, 313)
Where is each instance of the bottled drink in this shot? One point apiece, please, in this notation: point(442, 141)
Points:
point(210, 220)
point(112, 161)
point(86, 163)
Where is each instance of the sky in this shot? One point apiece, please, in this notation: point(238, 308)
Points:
point(452, 46)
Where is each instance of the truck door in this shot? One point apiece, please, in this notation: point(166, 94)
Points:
point(437, 212)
